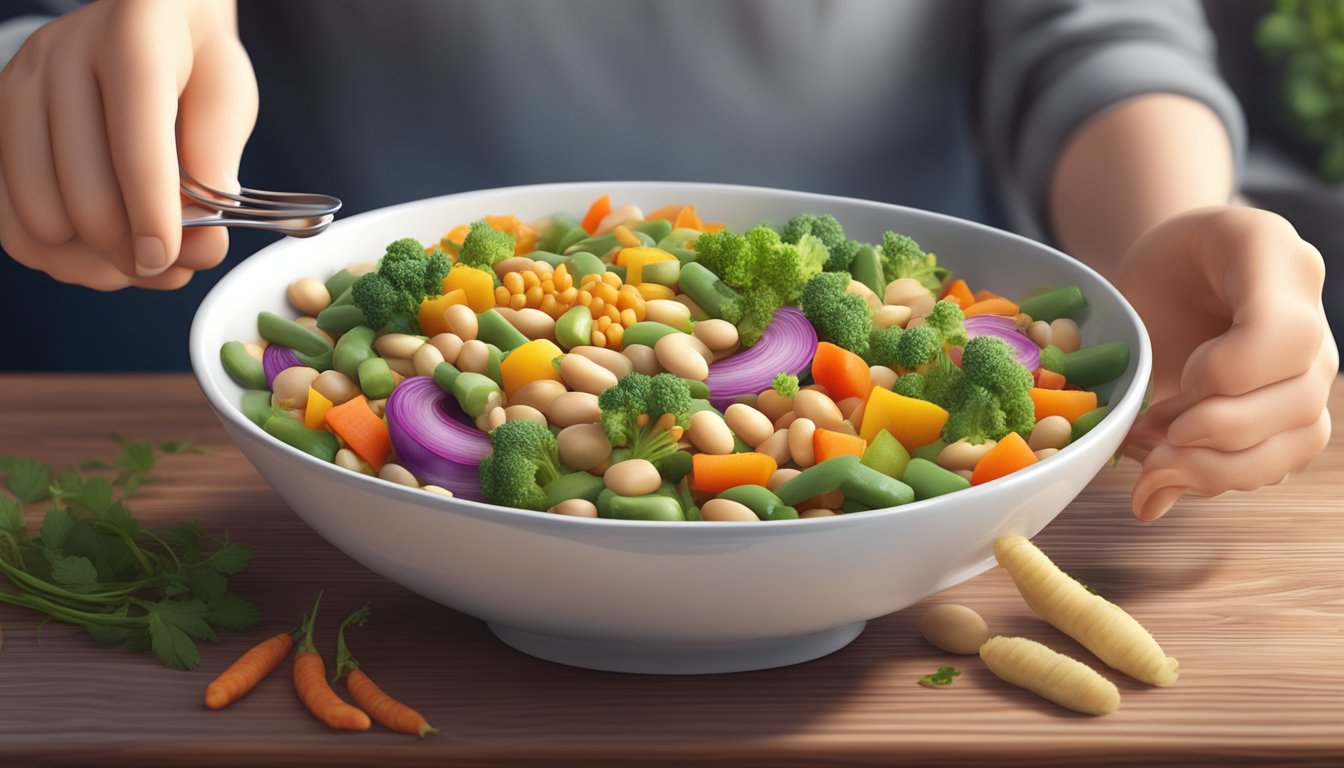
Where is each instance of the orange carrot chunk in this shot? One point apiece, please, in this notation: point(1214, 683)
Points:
point(1048, 379)
point(1069, 403)
point(843, 373)
point(362, 430)
point(1007, 456)
point(596, 213)
point(960, 292)
point(991, 306)
point(669, 212)
point(827, 444)
point(244, 674)
point(714, 474)
point(687, 218)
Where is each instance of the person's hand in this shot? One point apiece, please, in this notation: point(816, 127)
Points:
point(97, 109)
point(1243, 359)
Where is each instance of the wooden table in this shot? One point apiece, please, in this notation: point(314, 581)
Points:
point(1246, 590)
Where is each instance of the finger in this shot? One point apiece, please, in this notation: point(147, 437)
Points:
point(84, 163)
point(1237, 423)
point(1272, 280)
point(1170, 470)
point(202, 247)
point(1150, 428)
point(25, 156)
point(140, 73)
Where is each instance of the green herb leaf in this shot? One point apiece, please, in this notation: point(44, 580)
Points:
point(27, 479)
point(942, 677)
point(207, 586)
point(233, 613)
point(94, 497)
point(230, 558)
point(74, 572)
point(107, 635)
point(11, 515)
point(171, 447)
point(56, 525)
point(170, 644)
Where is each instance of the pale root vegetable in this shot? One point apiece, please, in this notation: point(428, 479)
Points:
point(397, 345)
point(575, 508)
point(1099, 625)
point(963, 455)
point(748, 423)
point(773, 404)
point(448, 344)
point(619, 365)
point(1049, 674)
point(801, 434)
point(954, 628)
point(903, 291)
point(461, 321)
point(709, 433)
point(920, 308)
point(776, 446)
point(633, 477)
point(1050, 432)
point(582, 446)
point(727, 511)
point(818, 408)
point(642, 359)
point(864, 292)
point(716, 334)
point(891, 316)
point(308, 296)
point(426, 359)
point(395, 473)
point(583, 375)
point(538, 394)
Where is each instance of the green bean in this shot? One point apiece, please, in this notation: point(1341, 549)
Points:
point(340, 282)
point(354, 347)
point(706, 288)
point(1052, 305)
point(288, 333)
point(345, 298)
point(684, 255)
point(314, 442)
point(646, 332)
point(569, 239)
point(869, 487)
point(652, 507)
point(930, 451)
point(656, 229)
point(701, 404)
point(242, 367)
point(256, 406)
point(339, 319)
point(554, 259)
point(445, 374)
point(557, 227)
point(492, 328)
point(494, 357)
point(1085, 423)
point(598, 245)
point(668, 490)
point(674, 467)
point(927, 479)
point(584, 264)
point(575, 485)
point(867, 269)
point(662, 272)
point(758, 499)
point(575, 327)
point(699, 389)
point(678, 238)
point(476, 393)
point(1096, 364)
point(817, 479)
point(850, 506)
point(318, 363)
point(688, 506)
point(375, 378)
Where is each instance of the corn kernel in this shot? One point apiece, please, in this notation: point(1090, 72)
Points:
point(614, 335)
point(513, 281)
point(533, 296)
point(517, 301)
point(590, 280)
point(530, 279)
point(612, 279)
point(585, 298)
point(548, 285)
point(650, 291)
point(611, 311)
point(501, 295)
point(627, 296)
point(568, 295)
point(544, 269)
point(599, 339)
point(549, 305)
point(603, 323)
point(628, 317)
point(598, 306)
point(608, 293)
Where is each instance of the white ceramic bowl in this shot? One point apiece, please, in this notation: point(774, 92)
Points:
point(666, 597)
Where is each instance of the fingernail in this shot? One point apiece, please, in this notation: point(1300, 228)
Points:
point(1160, 502)
point(150, 256)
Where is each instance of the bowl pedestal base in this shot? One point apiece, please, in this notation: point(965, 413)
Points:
point(680, 659)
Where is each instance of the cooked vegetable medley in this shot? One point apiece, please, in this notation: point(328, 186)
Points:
point(658, 367)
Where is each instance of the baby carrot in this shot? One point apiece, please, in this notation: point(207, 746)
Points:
point(843, 373)
point(713, 474)
point(244, 674)
point(310, 682)
point(362, 430)
point(994, 305)
point(1007, 456)
point(960, 292)
point(596, 213)
point(389, 712)
point(827, 444)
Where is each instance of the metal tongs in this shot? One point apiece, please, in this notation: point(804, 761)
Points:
point(297, 214)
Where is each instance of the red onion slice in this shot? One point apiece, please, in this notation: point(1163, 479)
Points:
point(275, 359)
point(788, 344)
point(434, 439)
point(1024, 349)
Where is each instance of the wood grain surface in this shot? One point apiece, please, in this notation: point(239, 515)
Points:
point(1246, 590)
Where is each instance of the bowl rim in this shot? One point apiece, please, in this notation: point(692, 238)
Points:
point(204, 361)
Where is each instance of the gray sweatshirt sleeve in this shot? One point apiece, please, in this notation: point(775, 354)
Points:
point(1051, 65)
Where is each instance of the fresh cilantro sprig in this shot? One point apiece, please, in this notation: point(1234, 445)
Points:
point(92, 565)
point(943, 677)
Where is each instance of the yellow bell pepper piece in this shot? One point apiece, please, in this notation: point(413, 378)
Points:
point(529, 362)
point(913, 422)
point(477, 285)
point(634, 259)
point(431, 311)
point(315, 415)
point(651, 291)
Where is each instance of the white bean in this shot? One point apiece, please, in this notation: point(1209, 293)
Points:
point(308, 296)
point(348, 459)
point(379, 406)
point(667, 312)
point(881, 376)
point(525, 412)
point(921, 307)
point(511, 264)
point(395, 473)
point(437, 490)
point(848, 406)
point(583, 375)
point(619, 365)
point(891, 315)
point(583, 446)
point(290, 388)
point(773, 404)
point(642, 359)
point(748, 423)
point(817, 512)
point(727, 511)
point(1040, 332)
point(954, 628)
point(532, 323)
point(963, 455)
point(570, 408)
point(781, 476)
point(462, 321)
point(1046, 453)
point(449, 345)
point(622, 214)
point(491, 419)
point(903, 291)
point(474, 357)
point(335, 386)
point(776, 446)
point(538, 394)
point(1064, 334)
point(401, 366)
point(822, 410)
point(575, 508)
point(859, 289)
point(716, 334)
point(785, 421)
point(698, 313)
point(710, 434)
point(1050, 432)
point(677, 356)
point(801, 434)
point(426, 359)
point(633, 477)
point(397, 345)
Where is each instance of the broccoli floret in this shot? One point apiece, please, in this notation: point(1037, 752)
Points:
point(939, 379)
point(646, 414)
point(785, 383)
point(405, 276)
point(882, 344)
point(839, 249)
point(990, 399)
point(484, 245)
point(917, 346)
point(1052, 359)
point(523, 460)
point(949, 322)
point(765, 272)
point(725, 254)
point(840, 317)
point(902, 257)
point(910, 385)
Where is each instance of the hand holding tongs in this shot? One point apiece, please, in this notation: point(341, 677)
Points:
point(296, 214)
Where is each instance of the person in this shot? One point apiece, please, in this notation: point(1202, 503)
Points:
point(1100, 125)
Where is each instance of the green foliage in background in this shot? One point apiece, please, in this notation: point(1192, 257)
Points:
point(1305, 40)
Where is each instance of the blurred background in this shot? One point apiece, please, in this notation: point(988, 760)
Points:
point(1290, 83)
